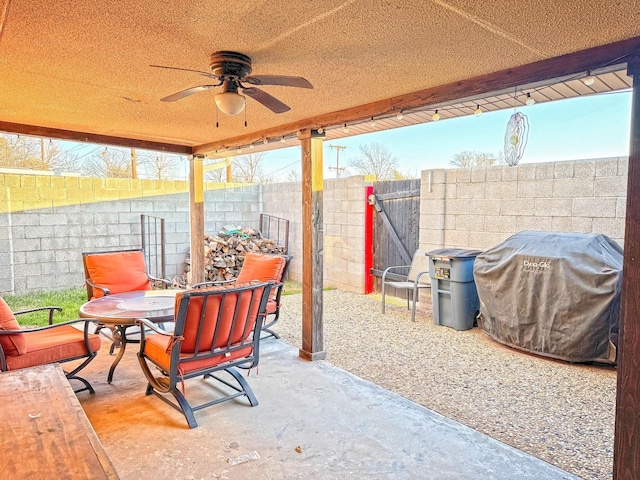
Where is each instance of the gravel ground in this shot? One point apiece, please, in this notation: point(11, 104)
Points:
point(559, 412)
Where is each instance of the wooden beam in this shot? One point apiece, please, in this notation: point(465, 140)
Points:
point(196, 222)
point(312, 246)
point(626, 452)
point(36, 131)
point(543, 70)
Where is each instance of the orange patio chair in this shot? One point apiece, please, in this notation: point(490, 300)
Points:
point(58, 343)
point(263, 268)
point(214, 331)
point(116, 272)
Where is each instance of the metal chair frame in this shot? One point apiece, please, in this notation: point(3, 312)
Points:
point(413, 281)
point(169, 381)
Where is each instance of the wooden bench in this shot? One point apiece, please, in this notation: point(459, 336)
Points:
point(44, 433)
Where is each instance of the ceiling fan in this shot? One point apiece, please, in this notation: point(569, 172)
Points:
point(232, 72)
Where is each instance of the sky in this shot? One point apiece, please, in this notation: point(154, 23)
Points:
point(578, 128)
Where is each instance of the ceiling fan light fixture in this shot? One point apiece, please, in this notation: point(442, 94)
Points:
point(231, 103)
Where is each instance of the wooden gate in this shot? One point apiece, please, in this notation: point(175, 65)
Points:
point(396, 225)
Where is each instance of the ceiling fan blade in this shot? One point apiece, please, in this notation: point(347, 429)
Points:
point(269, 101)
point(185, 93)
point(206, 74)
point(278, 80)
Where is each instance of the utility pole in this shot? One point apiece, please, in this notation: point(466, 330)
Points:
point(337, 168)
point(134, 163)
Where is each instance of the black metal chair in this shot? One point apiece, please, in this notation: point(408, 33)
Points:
point(215, 330)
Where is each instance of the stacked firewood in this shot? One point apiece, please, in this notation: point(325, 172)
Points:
point(224, 253)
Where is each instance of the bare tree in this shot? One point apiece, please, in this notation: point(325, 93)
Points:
point(375, 159)
point(468, 159)
point(109, 163)
point(294, 175)
point(160, 165)
point(19, 151)
point(217, 174)
point(248, 168)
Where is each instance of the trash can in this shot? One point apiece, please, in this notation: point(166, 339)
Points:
point(453, 290)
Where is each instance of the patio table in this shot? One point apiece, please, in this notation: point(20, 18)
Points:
point(120, 311)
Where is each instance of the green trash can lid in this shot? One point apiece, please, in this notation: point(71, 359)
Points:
point(454, 253)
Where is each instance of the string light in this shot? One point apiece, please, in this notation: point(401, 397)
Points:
point(436, 116)
point(239, 150)
point(321, 130)
point(345, 129)
point(400, 115)
point(265, 141)
point(529, 101)
point(251, 146)
point(478, 111)
point(282, 140)
point(372, 122)
point(589, 79)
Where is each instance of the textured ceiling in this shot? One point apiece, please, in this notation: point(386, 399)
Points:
point(83, 65)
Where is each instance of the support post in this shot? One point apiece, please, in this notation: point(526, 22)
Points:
point(626, 450)
point(229, 171)
point(196, 214)
point(312, 246)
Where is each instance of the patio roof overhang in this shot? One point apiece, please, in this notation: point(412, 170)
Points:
point(81, 71)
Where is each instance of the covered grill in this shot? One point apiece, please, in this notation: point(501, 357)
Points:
point(554, 294)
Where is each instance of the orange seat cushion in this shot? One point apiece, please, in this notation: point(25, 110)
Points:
point(261, 267)
point(264, 268)
point(236, 305)
point(15, 344)
point(272, 306)
point(53, 345)
point(156, 346)
point(118, 271)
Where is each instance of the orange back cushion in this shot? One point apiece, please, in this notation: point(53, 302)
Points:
point(118, 271)
point(261, 267)
point(240, 301)
point(12, 345)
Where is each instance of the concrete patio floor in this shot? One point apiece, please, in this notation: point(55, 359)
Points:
point(314, 421)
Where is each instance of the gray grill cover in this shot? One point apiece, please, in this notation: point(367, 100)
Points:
point(554, 294)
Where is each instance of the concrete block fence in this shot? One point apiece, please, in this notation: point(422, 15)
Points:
point(46, 222)
point(480, 207)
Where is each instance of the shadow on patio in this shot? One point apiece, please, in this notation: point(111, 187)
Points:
point(314, 421)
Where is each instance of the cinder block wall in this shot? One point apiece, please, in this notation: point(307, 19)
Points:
point(480, 207)
point(46, 223)
point(344, 205)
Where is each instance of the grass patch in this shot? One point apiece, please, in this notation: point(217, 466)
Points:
point(293, 288)
point(69, 300)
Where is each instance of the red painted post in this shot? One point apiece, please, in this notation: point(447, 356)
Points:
point(368, 242)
